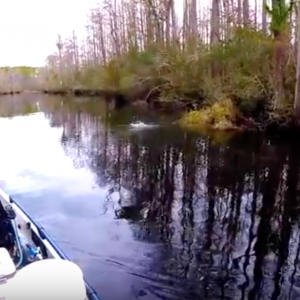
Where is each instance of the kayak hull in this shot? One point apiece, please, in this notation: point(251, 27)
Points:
point(35, 233)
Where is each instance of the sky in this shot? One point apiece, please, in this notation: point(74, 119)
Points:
point(29, 28)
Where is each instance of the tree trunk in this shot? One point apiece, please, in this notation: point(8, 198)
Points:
point(297, 86)
point(215, 31)
point(280, 50)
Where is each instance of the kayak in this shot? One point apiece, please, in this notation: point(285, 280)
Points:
point(29, 256)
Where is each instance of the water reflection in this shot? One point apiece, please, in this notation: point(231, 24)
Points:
point(182, 217)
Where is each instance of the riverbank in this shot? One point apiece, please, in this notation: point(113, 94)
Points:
point(141, 95)
point(10, 93)
point(226, 115)
point(75, 92)
point(221, 115)
point(218, 116)
point(238, 85)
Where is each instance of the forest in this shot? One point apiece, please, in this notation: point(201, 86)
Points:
point(230, 64)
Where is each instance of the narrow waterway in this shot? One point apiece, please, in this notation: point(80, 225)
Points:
point(154, 212)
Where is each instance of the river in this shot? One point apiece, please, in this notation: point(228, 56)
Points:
point(155, 213)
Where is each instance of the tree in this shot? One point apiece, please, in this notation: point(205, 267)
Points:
point(280, 14)
point(297, 85)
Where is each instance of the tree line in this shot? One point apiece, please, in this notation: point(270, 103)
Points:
point(239, 58)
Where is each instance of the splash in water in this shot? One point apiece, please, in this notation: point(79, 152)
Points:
point(141, 125)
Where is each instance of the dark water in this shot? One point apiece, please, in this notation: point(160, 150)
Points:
point(156, 213)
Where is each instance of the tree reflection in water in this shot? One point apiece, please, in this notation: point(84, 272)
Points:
point(226, 217)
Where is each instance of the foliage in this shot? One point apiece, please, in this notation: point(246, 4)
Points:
point(279, 13)
point(244, 64)
point(221, 115)
point(22, 70)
